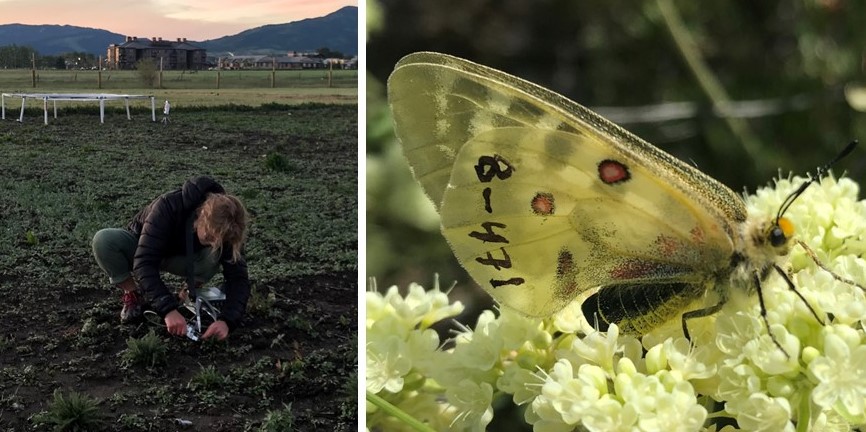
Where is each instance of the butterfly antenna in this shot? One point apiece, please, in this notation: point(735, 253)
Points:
point(822, 172)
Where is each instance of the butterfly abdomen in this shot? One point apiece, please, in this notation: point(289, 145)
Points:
point(639, 308)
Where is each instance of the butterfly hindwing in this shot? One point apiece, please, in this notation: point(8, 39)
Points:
point(529, 216)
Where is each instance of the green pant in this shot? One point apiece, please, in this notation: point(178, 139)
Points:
point(114, 249)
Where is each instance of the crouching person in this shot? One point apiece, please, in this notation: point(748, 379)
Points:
point(193, 232)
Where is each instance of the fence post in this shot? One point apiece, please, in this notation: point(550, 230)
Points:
point(274, 72)
point(33, 69)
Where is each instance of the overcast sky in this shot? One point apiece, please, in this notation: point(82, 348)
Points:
point(170, 19)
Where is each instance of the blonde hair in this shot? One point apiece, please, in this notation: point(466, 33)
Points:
point(223, 220)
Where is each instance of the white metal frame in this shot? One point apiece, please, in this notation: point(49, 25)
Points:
point(81, 97)
point(207, 301)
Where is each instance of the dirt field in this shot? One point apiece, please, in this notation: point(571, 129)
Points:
point(293, 360)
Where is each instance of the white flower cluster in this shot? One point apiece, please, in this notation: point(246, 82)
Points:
point(402, 350)
point(570, 377)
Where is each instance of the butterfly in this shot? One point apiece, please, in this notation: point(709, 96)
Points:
point(545, 202)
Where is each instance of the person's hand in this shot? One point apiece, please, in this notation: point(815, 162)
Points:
point(219, 329)
point(175, 323)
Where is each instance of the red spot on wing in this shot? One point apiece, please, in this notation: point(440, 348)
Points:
point(697, 235)
point(543, 204)
point(613, 172)
point(667, 246)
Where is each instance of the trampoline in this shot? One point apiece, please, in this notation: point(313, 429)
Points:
point(80, 97)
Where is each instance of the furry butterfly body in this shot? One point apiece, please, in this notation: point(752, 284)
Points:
point(545, 202)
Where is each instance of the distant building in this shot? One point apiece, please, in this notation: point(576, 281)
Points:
point(352, 63)
point(301, 53)
point(269, 62)
point(175, 55)
point(341, 63)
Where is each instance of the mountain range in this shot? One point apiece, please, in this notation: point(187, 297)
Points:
point(337, 31)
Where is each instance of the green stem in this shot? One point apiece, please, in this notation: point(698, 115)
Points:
point(804, 411)
point(706, 79)
point(397, 413)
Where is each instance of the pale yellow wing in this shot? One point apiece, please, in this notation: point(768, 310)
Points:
point(543, 200)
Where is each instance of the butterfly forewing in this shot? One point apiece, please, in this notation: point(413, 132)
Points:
point(541, 199)
point(437, 106)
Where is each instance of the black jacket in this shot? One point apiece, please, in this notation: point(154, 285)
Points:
point(161, 229)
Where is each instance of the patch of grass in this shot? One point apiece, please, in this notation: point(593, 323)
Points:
point(117, 399)
point(30, 238)
point(277, 162)
point(94, 334)
point(249, 194)
point(280, 420)
point(349, 405)
point(260, 303)
point(207, 378)
point(297, 321)
point(133, 422)
point(162, 395)
point(293, 371)
point(149, 351)
point(253, 380)
point(73, 412)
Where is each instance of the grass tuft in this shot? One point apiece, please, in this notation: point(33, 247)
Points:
point(30, 238)
point(74, 412)
point(148, 351)
point(277, 162)
point(208, 378)
point(280, 420)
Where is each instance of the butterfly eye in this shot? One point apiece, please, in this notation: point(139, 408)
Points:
point(777, 236)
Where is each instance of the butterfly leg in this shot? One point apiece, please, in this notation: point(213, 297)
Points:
point(700, 313)
point(793, 288)
point(757, 281)
point(820, 264)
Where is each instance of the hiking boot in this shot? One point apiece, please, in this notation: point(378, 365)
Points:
point(133, 305)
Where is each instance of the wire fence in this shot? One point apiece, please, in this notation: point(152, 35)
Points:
point(23, 79)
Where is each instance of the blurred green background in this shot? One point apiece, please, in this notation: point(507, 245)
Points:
point(791, 69)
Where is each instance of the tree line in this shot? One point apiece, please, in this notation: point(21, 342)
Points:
point(20, 57)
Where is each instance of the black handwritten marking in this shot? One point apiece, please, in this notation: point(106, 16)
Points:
point(496, 283)
point(486, 194)
point(488, 235)
point(497, 263)
point(490, 167)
